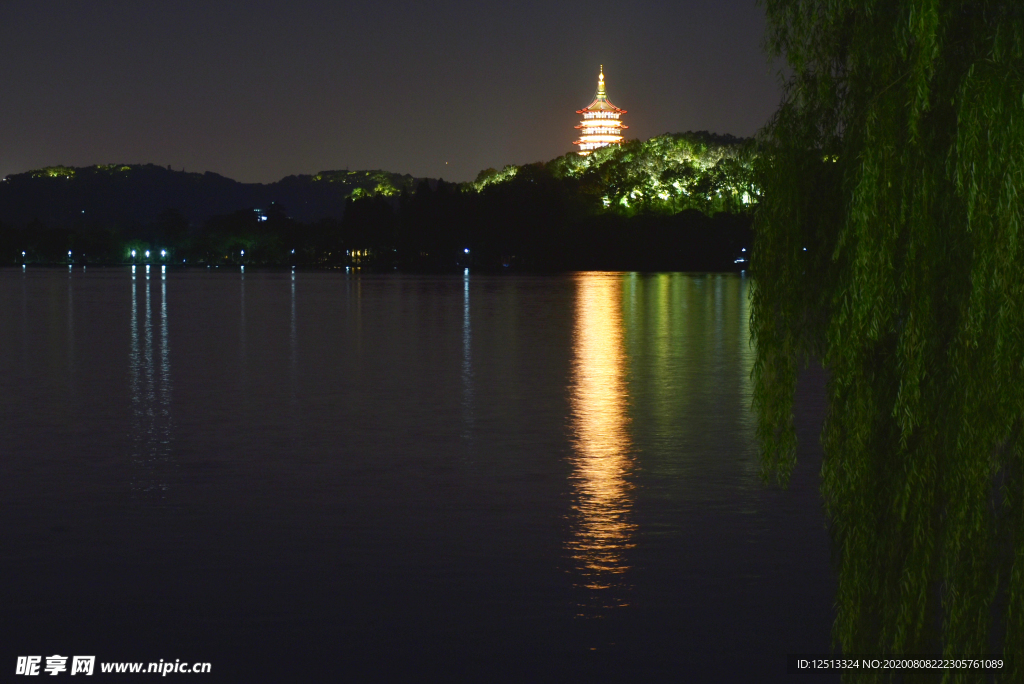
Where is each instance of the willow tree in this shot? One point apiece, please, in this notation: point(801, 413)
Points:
point(889, 246)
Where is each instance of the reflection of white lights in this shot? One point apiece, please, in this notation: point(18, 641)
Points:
point(133, 269)
point(163, 269)
point(147, 268)
point(465, 271)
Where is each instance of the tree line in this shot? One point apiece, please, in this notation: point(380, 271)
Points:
point(680, 201)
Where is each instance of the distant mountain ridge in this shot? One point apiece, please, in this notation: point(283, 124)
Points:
point(682, 201)
point(126, 196)
point(665, 174)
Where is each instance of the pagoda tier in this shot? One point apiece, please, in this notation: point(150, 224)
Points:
point(600, 126)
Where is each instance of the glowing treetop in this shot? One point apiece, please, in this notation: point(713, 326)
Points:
point(600, 126)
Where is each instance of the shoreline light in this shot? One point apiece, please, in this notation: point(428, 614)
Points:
point(601, 125)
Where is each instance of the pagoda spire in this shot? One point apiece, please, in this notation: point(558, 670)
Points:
point(600, 85)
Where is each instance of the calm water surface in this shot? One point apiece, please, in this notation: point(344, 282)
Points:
point(341, 477)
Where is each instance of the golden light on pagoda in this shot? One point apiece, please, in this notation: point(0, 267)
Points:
point(601, 125)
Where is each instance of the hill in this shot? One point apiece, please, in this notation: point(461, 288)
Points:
point(129, 196)
point(569, 212)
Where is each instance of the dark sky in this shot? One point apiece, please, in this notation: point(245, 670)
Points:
point(260, 89)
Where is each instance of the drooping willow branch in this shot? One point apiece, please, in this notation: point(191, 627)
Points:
point(889, 245)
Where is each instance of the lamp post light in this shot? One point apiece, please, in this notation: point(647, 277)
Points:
point(133, 256)
point(163, 254)
point(147, 255)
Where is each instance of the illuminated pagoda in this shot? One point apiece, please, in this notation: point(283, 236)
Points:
point(600, 126)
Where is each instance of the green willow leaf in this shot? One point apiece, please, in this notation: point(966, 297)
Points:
point(889, 246)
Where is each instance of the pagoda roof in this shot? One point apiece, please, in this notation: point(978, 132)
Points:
point(599, 124)
point(600, 104)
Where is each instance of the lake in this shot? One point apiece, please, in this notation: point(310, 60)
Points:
point(331, 476)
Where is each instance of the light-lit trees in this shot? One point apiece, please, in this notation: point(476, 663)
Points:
point(889, 245)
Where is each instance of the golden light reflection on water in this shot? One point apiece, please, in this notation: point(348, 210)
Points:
point(602, 456)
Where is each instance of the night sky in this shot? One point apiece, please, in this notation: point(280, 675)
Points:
point(258, 90)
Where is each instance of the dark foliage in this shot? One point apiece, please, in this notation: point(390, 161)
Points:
point(552, 216)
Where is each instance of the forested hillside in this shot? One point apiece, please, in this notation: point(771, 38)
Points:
point(674, 201)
